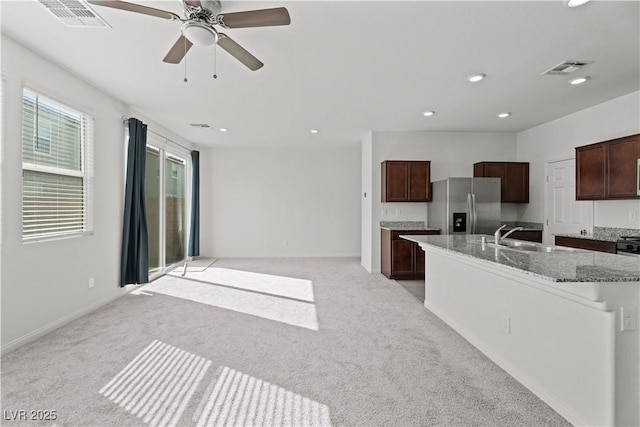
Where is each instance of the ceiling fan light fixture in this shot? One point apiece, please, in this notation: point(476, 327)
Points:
point(200, 33)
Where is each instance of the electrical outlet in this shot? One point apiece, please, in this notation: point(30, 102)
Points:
point(91, 282)
point(628, 318)
point(506, 324)
point(633, 215)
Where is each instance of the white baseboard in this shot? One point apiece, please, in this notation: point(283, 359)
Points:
point(40, 332)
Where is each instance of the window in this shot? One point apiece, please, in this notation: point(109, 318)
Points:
point(57, 175)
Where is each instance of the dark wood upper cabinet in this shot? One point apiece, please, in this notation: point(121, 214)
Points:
point(590, 172)
point(406, 181)
point(622, 165)
point(514, 179)
point(608, 170)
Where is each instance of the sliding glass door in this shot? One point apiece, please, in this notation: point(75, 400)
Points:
point(175, 209)
point(165, 193)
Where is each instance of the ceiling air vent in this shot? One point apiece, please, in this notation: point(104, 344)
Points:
point(567, 67)
point(200, 125)
point(74, 13)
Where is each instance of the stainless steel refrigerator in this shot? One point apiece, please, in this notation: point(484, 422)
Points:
point(465, 205)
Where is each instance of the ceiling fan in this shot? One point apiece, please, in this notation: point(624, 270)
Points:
point(198, 26)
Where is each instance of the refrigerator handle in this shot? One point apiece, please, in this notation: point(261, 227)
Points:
point(475, 214)
point(470, 210)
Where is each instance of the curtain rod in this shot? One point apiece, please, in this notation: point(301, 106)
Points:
point(126, 119)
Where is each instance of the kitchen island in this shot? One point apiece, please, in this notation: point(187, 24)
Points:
point(563, 323)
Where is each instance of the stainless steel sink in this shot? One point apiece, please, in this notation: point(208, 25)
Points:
point(518, 245)
point(532, 248)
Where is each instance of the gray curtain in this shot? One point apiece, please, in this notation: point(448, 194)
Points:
point(135, 240)
point(194, 235)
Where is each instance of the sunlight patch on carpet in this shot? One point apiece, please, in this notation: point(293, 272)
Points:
point(235, 398)
point(290, 287)
point(283, 299)
point(158, 383)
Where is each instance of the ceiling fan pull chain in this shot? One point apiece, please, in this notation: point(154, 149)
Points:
point(215, 61)
point(185, 59)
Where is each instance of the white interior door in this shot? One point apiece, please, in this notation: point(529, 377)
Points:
point(563, 213)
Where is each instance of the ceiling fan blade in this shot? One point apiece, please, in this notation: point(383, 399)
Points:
point(131, 7)
point(255, 18)
point(178, 50)
point(239, 52)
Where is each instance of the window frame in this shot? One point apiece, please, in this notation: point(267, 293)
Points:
point(85, 172)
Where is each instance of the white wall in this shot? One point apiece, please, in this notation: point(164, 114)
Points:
point(45, 284)
point(558, 139)
point(366, 225)
point(280, 202)
point(452, 154)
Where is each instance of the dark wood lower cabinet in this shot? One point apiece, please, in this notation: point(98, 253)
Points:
point(529, 235)
point(589, 244)
point(400, 258)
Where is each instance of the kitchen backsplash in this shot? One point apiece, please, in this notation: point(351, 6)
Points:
point(523, 224)
point(402, 225)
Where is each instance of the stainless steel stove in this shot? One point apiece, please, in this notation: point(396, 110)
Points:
point(628, 245)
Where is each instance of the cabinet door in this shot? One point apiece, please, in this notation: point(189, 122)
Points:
point(590, 172)
point(402, 262)
point(498, 170)
point(517, 183)
point(418, 255)
point(419, 181)
point(528, 235)
point(395, 183)
point(592, 245)
point(622, 165)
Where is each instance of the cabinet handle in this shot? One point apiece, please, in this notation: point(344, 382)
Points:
point(638, 179)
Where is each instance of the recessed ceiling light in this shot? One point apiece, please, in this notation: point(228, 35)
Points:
point(474, 78)
point(314, 131)
point(428, 113)
point(576, 3)
point(504, 115)
point(579, 80)
point(223, 130)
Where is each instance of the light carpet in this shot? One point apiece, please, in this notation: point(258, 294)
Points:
point(168, 355)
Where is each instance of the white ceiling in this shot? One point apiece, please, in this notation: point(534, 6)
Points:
point(348, 67)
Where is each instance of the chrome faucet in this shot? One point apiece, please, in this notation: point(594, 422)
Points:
point(498, 238)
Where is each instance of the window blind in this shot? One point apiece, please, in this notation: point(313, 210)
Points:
point(57, 144)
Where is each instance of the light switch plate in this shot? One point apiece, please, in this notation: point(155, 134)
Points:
point(628, 318)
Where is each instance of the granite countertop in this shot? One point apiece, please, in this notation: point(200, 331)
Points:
point(561, 266)
point(604, 234)
point(406, 226)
